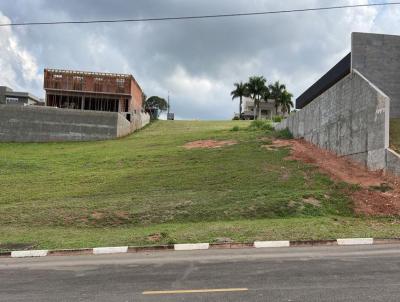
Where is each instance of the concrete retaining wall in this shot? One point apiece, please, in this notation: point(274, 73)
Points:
point(45, 124)
point(351, 119)
point(377, 57)
point(393, 161)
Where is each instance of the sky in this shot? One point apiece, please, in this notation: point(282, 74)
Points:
point(196, 61)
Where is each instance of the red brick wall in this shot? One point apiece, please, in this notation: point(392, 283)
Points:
point(136, 92)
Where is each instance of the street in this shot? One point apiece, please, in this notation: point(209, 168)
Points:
point(355, 273)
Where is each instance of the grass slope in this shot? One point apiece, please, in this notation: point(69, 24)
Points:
point(395, 134)
point(148, 189)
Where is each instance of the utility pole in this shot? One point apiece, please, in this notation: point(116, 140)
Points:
point(170, 116)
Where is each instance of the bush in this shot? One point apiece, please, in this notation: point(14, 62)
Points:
point(277, 119)
point(235, 128)
point(285, 134)
point(235, 118)
point(261, 125)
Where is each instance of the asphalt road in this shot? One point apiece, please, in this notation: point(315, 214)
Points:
point(361, 273)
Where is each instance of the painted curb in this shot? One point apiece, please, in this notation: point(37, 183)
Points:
point(198, 246)
point(110, 250)
point(266, 244)
point(191, 246)
point(355, 241)
point(31, 253)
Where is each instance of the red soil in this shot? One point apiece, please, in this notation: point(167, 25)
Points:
point(209, 144)
point(369, 199)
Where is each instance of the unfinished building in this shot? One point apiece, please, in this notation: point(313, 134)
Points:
point(93, 91)
point(80, 106)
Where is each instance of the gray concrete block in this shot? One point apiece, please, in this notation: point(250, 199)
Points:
point(393, 161)
point(42, 124)
point(377, 57)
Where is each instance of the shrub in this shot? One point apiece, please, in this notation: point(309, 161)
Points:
point(261, 125)
point(235, 128)
point(235, 118)
point(277, 119)
point(285, 134)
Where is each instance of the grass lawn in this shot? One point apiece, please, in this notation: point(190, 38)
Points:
point(148, 189)
point(395, 134)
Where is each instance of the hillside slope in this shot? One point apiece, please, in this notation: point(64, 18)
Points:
point(150, 188)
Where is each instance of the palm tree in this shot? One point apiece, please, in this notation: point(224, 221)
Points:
point(286, 101)
point(277, 90)
point(239, 92)
point(256, 88)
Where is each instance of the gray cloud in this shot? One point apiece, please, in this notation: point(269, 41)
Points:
point(197, 61)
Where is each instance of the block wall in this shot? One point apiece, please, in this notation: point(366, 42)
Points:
point(47, 124)
point(351, 119)
point(377, 57)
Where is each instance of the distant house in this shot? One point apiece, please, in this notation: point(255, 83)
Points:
point(11, 97)
point(267, 110)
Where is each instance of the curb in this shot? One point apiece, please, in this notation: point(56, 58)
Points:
point(199, 246)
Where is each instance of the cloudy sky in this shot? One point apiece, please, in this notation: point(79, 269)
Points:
point(197, 61)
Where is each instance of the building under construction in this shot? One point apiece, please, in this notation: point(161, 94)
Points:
point(92, 91)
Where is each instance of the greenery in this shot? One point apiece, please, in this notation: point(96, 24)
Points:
point(305, 228)
point(154, 105)
point(257, 89)
point(276, 91)
point(148, 189)
point(395, 134)
point(277, 119)
point(239, 92)
point(285, 101)
point(283, 134)
point(261, 125)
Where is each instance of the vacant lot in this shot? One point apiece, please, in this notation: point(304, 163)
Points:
point(161, 185)
point(395, 134)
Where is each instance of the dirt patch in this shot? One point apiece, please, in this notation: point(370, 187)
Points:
point(97, 215)
point(209, 144)
point(337, 167)
point(312, 201)
point(376, 203)
point(154, 237)
point(122, 214)
point(368, 200)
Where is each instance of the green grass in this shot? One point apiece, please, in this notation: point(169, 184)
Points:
point(61, 195)
point(314, 228)
point(395, 134)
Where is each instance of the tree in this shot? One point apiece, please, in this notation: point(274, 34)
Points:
point(286, 101)
point(256, 88)
point(277, 90)
point(154, 105)
point(239, 92)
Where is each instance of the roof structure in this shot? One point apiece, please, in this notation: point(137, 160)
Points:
point(338, 72)
point(90, 73)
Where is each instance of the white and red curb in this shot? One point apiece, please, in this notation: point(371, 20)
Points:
point(198, 246)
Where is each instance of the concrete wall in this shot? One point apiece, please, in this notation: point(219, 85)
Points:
point(139, 120)
point(44, 124)
point(351, 119)
point(377, 57)
point(393, 161)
